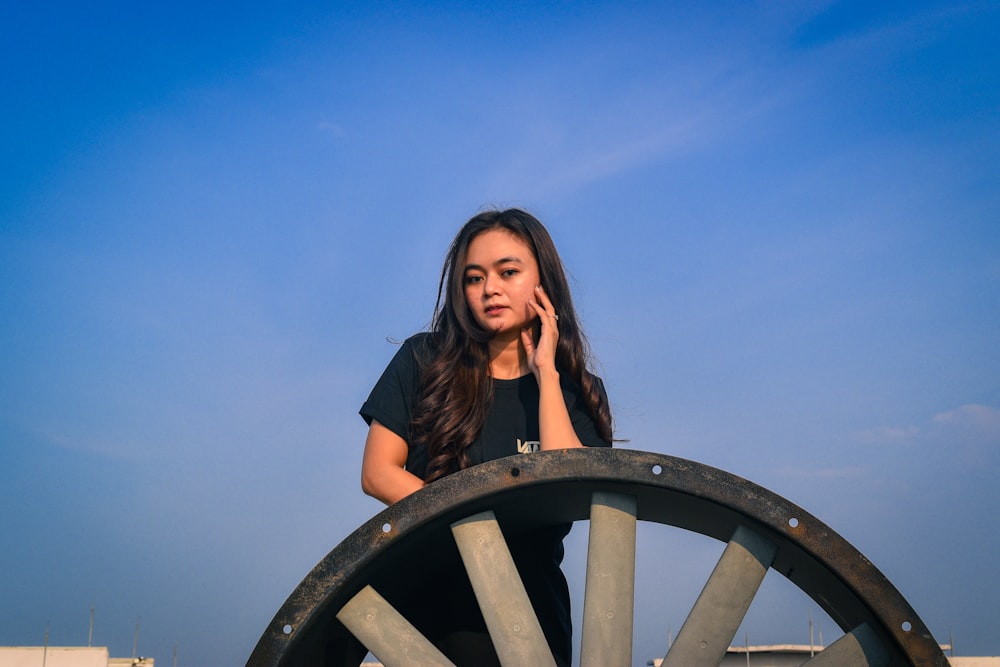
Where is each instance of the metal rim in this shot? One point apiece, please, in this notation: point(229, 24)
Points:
point(550, 487)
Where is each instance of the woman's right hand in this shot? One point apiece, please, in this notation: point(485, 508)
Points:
point(542, 353)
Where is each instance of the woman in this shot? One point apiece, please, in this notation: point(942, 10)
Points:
point(503, 371)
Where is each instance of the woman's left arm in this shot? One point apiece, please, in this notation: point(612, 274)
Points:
point(554, 425)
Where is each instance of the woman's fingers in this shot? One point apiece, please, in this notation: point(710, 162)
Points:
point(541, 353)
point(529, 344)
point(544, 307)
point(543, 299)
point(548, 319)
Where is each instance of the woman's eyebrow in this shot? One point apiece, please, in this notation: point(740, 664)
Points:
point(502, 260)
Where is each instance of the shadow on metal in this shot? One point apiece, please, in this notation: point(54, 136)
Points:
point(547, 488)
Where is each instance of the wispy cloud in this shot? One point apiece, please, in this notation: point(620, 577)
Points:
point(608, 160)
point(888, 434)
point(970, 432)
point(334, 130)
point(880, 27)
point(981, 419)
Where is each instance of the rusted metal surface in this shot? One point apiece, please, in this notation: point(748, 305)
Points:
point(546, 488)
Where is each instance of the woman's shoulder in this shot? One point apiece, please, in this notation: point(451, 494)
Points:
point(420, 348)
point(422, 342)
point(419, 338)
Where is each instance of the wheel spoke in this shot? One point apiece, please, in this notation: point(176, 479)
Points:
point(514, 628)
point(724, 601)
point(610, 589)
point(384, 632)
point(858, 648)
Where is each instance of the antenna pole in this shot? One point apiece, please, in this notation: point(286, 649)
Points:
point(812, 651)
point(135, 642)
point(90, 635)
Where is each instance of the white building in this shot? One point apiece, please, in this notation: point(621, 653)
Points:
point(65, 656)
point(794, 655)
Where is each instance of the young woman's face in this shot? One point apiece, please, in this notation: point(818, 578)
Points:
point(500, 276)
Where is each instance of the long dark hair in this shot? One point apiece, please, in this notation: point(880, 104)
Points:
point(456, 389)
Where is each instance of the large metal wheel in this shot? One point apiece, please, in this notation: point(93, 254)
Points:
point(342, 602)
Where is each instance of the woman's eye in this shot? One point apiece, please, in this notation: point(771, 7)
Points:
point(510, 272)
point(471, 280)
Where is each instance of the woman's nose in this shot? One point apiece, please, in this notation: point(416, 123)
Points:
point(491, 284)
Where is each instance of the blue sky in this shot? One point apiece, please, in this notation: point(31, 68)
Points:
point(782, 222)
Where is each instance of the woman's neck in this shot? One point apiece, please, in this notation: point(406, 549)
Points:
point(508, 360)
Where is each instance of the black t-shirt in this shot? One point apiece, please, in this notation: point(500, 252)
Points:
point(511, 428)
